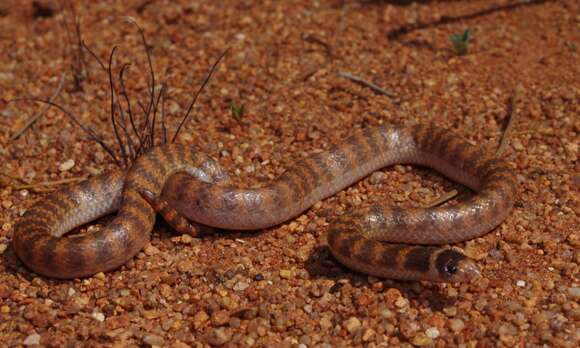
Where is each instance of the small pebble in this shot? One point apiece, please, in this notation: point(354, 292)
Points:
point(432, 332)
point(285, 274)
point(66, 165)
point(150, 250)
point(387, 313)
point(456, 325)
point(574, 292)
point(185, 266)
point(32, 340)
point(517, 145)
point(368, 335)
point(377, 178)
point(153, 340)
point(521, 283)
point(234, 322)
point(241, 286)
point(352, 324)
point(219, 336)
point(401, 302)
point(186, 239)
point(220, 318)
point(98, 316)
point(325, 323)
point(421, 340)
point(199, 319)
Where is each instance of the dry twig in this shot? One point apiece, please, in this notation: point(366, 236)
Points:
point(5, 182)
point(507, 133)
point(446, 196)
point(144, 132)
point(49, 183)
point(197, 94)
point(513, 114)
point(366, 83)
point(41, 112)
point(37, 187)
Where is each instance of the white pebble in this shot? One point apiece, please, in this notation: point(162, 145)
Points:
point(32, 340)
point(98, 316)
point(66, 165)
point(521, 283)
point(241, 286)
point(432, 332)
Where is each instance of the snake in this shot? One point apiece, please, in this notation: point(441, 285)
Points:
point(188, 187)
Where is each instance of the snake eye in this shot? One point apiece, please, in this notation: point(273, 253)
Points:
point(448, 262)
point(451, 267)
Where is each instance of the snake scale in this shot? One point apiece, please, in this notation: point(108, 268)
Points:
point(381, 241)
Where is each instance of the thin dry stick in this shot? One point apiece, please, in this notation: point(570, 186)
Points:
point(11, 177)
point(197, 94)
point(314, 39)
point(130, 112)
point(51, 183)
point(513, 113)
point(155, 108)
point(542, 131)
point(151, 76)
point(78, 64)
point(162, 117)
point(442, 199)
point(87, 129)
point(123, 123)
point(113, 108)
point(507, 133)
point(108, 71)
point(44, 186)
point(41, 112)
point(366, 83)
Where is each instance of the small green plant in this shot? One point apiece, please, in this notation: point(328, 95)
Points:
point(460, 41)
point(237, 111)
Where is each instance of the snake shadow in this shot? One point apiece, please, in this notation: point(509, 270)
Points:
point(322, 265)
point(11, 264)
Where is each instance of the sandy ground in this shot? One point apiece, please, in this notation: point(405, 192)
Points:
point(280, 287)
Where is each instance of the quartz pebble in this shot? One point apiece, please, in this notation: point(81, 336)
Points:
point(66, 165)
point(32, 340)
point(352, 324)
point(153, 340)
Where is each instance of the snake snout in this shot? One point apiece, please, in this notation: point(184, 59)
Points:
point(454, 266)
point(467, 271)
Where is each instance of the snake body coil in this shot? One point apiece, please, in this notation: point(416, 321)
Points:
point(358, 240)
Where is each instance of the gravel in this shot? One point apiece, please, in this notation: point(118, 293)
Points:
point(280, 287)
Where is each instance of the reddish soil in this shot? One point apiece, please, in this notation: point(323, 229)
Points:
point(280, 287)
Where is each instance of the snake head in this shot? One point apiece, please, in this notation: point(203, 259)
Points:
point(453, 266)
